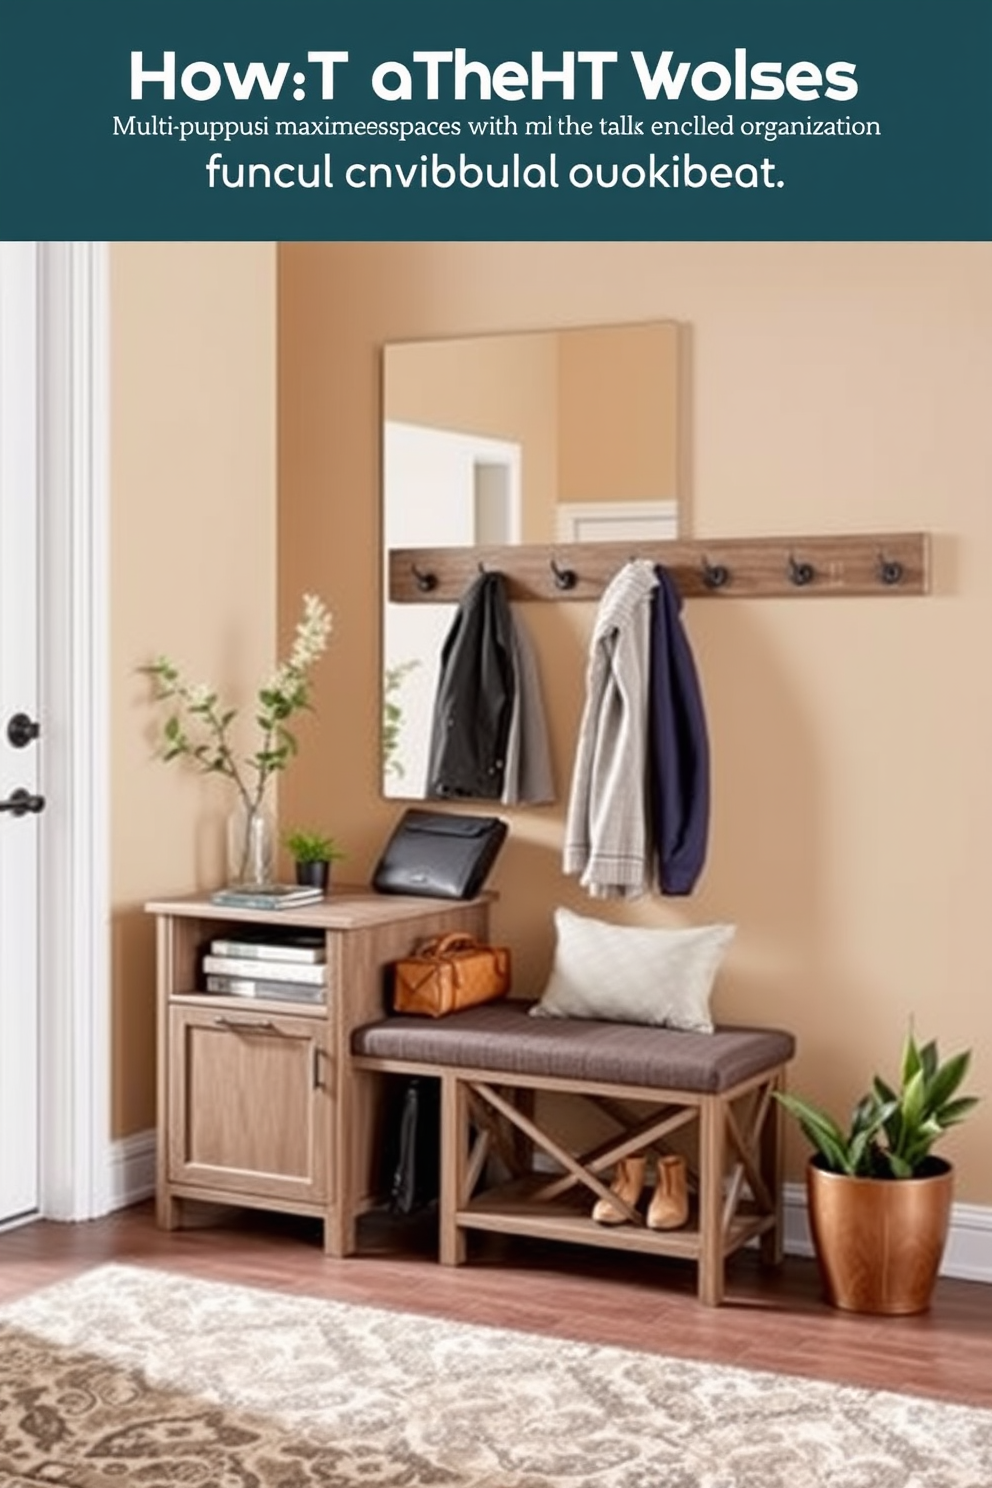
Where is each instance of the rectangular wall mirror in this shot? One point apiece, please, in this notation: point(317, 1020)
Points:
point(536, 437)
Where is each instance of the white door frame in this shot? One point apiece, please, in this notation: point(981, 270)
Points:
point(19, 768)
point(74, 404)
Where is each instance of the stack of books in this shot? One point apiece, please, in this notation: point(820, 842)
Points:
point(293, 969)
point(267, 896)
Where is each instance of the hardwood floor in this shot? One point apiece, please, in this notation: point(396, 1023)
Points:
point(773, 1321)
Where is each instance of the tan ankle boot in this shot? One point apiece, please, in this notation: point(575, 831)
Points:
point(669, 1206)
point(628, 1180)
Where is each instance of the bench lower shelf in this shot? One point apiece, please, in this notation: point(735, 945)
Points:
point(511, 1209)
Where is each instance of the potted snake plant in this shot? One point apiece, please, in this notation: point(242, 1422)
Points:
point(879, 1200)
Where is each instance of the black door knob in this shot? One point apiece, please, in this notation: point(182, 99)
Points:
point(22, 730)
point(21, 801)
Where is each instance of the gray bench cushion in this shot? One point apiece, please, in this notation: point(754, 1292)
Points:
point(501, 1037)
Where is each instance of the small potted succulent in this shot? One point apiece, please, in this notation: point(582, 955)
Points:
point(313, 853)
point(879, 1201)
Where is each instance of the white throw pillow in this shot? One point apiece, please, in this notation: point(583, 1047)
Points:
point(626, 974)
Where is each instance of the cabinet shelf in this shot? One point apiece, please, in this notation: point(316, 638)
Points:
point(303, 1008)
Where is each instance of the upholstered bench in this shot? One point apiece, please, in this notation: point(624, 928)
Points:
point(714, 1089)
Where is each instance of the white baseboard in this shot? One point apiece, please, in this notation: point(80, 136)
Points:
point(20, 1221)
point(969, 1245)
point(796, 1237)
point(131, 1175)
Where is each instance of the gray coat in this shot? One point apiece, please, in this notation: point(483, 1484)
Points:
point(607, 824)
point(528, 778)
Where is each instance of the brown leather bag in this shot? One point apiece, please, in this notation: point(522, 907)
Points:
point(448, 973)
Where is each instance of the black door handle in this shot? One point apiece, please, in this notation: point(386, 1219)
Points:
point(22, 730)
point(21, 801)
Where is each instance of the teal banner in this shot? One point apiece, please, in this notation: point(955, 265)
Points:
point(523, 119)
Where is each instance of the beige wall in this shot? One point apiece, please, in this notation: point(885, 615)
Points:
point(834, 387)
point(193, 515)
point(618, 414)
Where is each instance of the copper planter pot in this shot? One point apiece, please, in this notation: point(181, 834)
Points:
point(879, 1241)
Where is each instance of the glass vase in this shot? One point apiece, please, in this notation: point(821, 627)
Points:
point(250, 846)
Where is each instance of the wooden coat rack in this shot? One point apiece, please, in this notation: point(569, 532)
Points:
point(732, 568)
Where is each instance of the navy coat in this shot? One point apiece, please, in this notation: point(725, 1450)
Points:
point(679, 768)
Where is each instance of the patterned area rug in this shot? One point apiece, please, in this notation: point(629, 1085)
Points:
point(127, 1376)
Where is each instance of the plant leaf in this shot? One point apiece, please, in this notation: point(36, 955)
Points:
point(956, 1110)
point(919, 1141)
point(947, 1079)
point(894, 1125)
point(910, 1059)
point(803, 1110)
point(862, 1148)
point(883, 1090)
point(858, 1153)
point(833, 1151)
point(929, 1059)
point(819, 1129)
point(864, 1117)
point(913, 1098)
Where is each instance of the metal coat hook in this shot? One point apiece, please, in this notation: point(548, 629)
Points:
point(889, 570)
point(425, 581)
point(715, 575)
point(565, 578)
point(800, 574)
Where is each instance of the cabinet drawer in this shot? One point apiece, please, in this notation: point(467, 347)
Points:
point(249, 1102)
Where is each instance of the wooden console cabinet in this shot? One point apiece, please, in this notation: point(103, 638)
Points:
point(259, 1104)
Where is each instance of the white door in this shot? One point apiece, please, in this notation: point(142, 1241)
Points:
point(19, 747)
point(440, 489)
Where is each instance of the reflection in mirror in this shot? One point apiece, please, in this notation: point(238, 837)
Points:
point(537, 437)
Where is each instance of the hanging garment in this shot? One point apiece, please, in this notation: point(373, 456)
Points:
point(528, 778)
point(473, 704)
point(679, 761)
point(607, 823)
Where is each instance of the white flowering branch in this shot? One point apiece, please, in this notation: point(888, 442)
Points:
point(198, 726)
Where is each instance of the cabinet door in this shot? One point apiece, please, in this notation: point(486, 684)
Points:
point(249, 1103)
